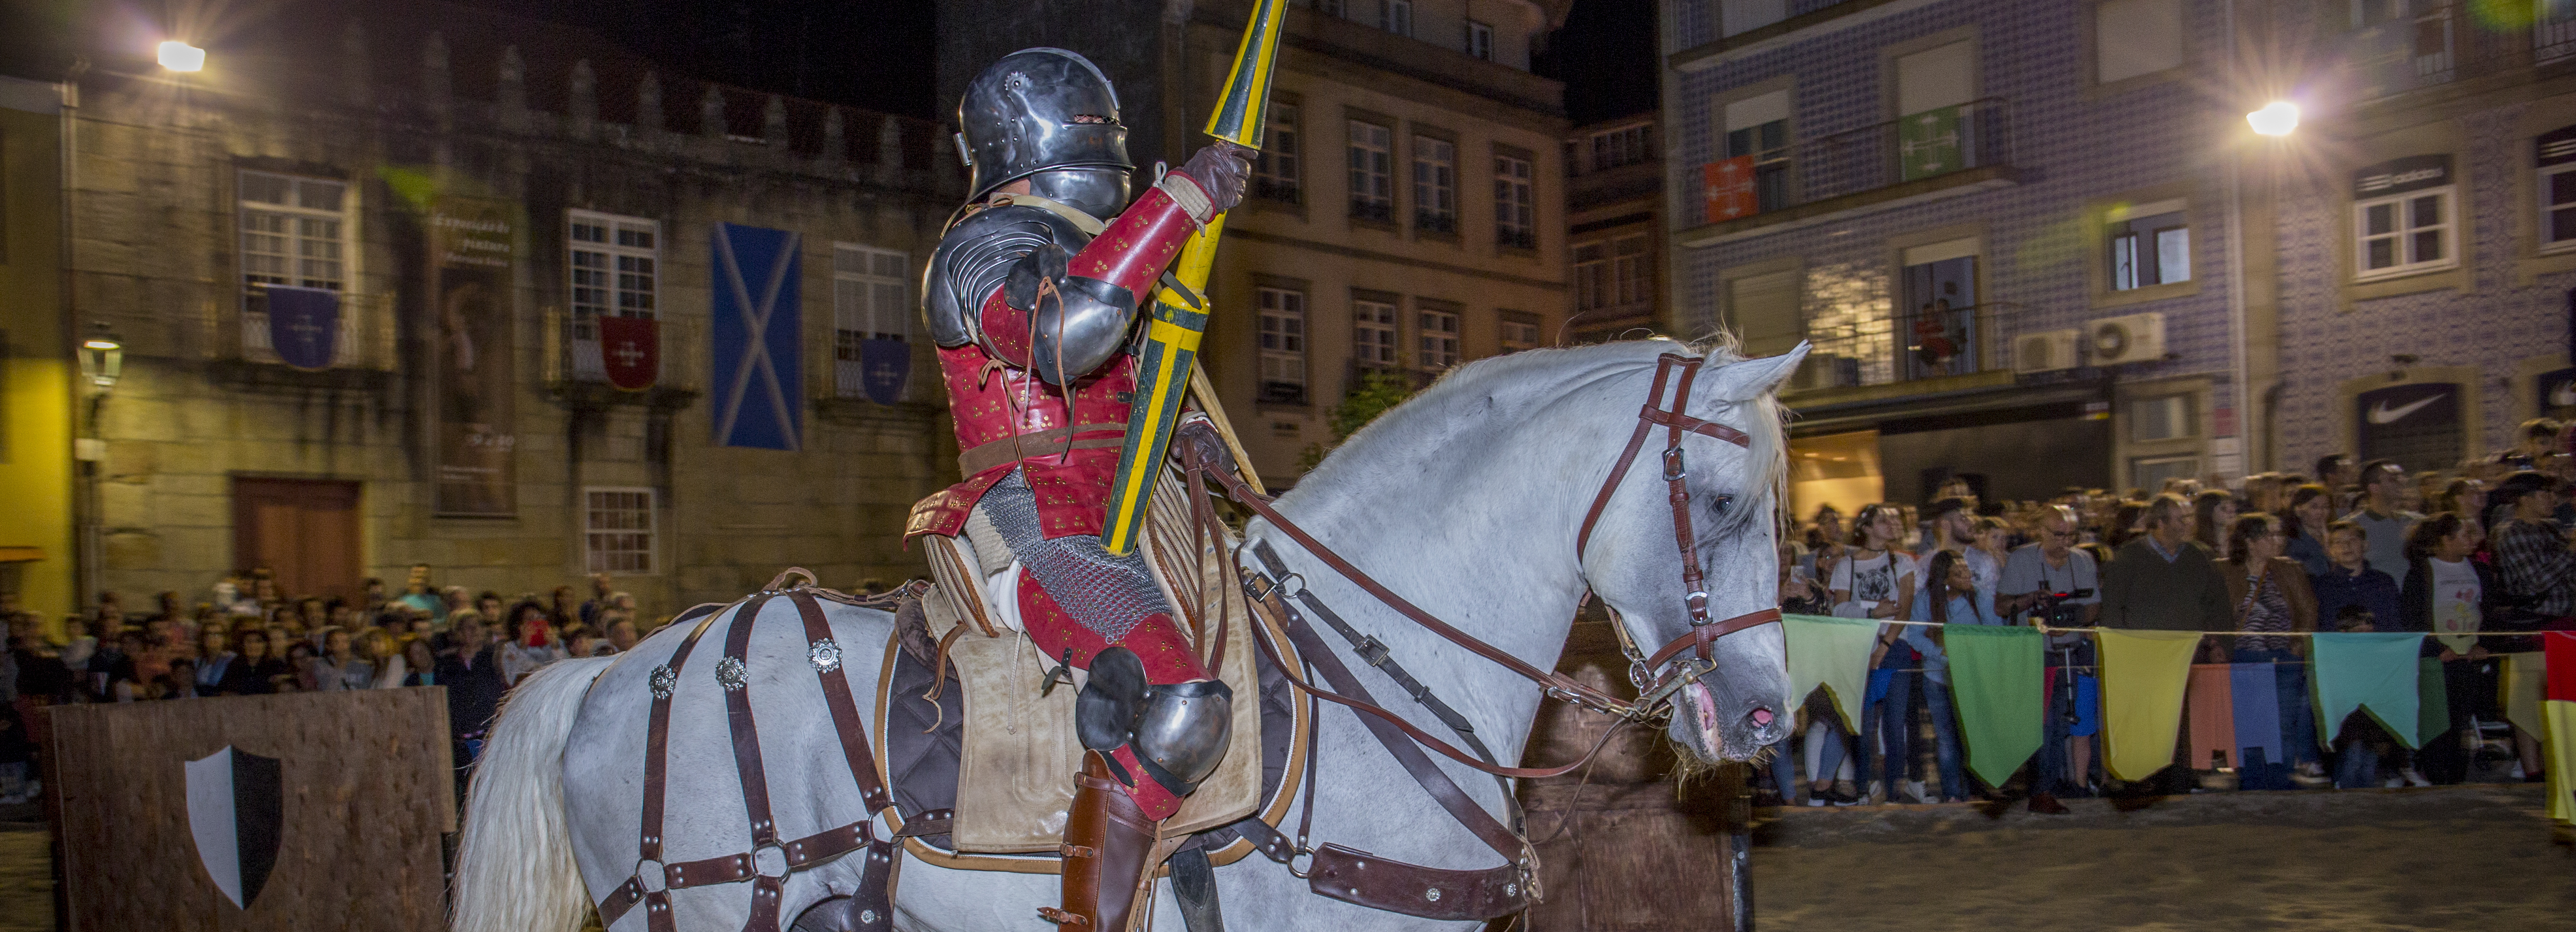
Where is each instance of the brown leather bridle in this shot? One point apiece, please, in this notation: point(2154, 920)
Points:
point(1704, 632)
point(1653, 692)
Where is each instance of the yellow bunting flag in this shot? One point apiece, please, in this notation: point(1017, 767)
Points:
point(1833, 653)
point(2143, 674)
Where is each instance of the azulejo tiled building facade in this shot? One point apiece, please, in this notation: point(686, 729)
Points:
point(2039, 245)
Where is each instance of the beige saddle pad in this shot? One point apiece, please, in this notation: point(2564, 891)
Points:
point(1015, 774)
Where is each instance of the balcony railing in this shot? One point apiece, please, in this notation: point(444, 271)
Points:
point(1910, 148)
point(2445, 42)
point(1878, 349)
point(850, 369)
point(1373, 210)
point(1432, 221)
point(257, 347)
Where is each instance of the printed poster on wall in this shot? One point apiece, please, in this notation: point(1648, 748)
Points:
point(473, 248)
point(2418, 425)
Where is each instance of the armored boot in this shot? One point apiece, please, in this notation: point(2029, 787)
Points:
point(1148, 747)
point(1107, 837)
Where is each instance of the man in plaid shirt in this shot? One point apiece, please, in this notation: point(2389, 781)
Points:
point(2539, 570)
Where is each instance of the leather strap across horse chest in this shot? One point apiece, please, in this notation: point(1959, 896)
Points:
point(769, 860)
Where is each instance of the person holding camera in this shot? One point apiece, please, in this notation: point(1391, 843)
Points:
point(2054, 584)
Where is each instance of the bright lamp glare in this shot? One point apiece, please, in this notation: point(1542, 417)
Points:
point(180, 56)
point(2277, 118)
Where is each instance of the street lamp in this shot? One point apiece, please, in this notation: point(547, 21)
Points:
point(102, 357)
point(2276, 119)
point(180, 56)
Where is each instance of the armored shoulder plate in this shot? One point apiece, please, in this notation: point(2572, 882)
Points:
point(977, 256)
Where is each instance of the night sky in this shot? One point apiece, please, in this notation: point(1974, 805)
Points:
point(871, 53)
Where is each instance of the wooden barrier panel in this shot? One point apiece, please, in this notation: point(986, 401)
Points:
point(364, 788)
point(1625, 851)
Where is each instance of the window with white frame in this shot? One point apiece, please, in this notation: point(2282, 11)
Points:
point(617, 530)
point(2554, 157)
point(1275, 172)
point(1757, 129)
point(1283, 346)
point(1518, 330)
point(292, 231)
point(1480, 40)
point(1515, 212)
point(615, 264)
point(871, 300)
point(1435, 185)
point(1395, 16)
point(1592, 277)
point(2402, 217)
point(1435, 336)
point(2150, 245)
point(1372, 332)
point(1372, 158)
point(293, 234)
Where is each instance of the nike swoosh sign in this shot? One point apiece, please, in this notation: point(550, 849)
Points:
point(2383, 414)
point(2564, 395)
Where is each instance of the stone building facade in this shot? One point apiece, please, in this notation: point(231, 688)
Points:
point(391, 163)
point(1614, 231)
point(1407, 213)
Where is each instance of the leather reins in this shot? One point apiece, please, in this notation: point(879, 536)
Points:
point(1704, 631)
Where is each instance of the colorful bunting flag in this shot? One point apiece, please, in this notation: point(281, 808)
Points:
point(1995, 675)
point(2432, 701)
point(2255, 689)
point(2525, 686)
point(2371, 671)
point(2213, 715)
point(2559, 708)
point(1834, 653)
point(2143, 676)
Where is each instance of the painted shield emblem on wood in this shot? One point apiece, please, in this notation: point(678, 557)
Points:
point(304, 325)
point(630, 351)
point(235, 811)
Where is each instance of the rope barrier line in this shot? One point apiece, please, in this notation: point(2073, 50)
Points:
point(2273, 634)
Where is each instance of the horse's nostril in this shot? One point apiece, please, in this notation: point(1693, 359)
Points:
point(1761, 717)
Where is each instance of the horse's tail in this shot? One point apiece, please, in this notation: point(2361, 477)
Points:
point(514, 866)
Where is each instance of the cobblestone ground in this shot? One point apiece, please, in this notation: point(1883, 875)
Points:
point(26, 871)
point(2478, 857)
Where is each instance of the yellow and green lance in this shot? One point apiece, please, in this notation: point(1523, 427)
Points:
point(1179, 317)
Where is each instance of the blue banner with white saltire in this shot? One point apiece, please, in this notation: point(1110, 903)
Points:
point(758, 375)
point(304, 325)
point(886, 364)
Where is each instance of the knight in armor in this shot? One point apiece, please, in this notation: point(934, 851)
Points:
point(1033, 298)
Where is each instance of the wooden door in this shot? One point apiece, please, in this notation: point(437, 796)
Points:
point(305, 530)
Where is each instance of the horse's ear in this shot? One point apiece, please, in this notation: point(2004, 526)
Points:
point(1753, 377)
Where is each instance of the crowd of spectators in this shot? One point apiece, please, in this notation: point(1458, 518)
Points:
point(246, 638)
point(2460, 555)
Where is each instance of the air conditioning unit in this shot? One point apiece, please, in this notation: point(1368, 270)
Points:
point(2133, 338)
point(2046, 351)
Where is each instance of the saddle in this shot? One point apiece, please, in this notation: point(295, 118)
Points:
point(979, 746)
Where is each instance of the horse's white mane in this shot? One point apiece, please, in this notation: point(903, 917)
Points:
point(1507, 390)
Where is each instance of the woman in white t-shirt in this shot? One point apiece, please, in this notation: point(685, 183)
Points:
point(2446, 596)
point(1876, 580)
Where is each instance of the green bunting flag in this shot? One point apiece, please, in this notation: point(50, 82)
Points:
point(2432, 701)
point(1995, 675)
point(2370, 671)
point(1833, 652)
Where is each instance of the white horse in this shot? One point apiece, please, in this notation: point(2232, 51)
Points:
point(1465, 500)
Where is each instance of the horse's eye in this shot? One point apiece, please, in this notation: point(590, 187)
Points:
point(1722, 502)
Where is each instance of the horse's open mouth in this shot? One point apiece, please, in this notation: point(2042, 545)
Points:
point(1711, 729)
